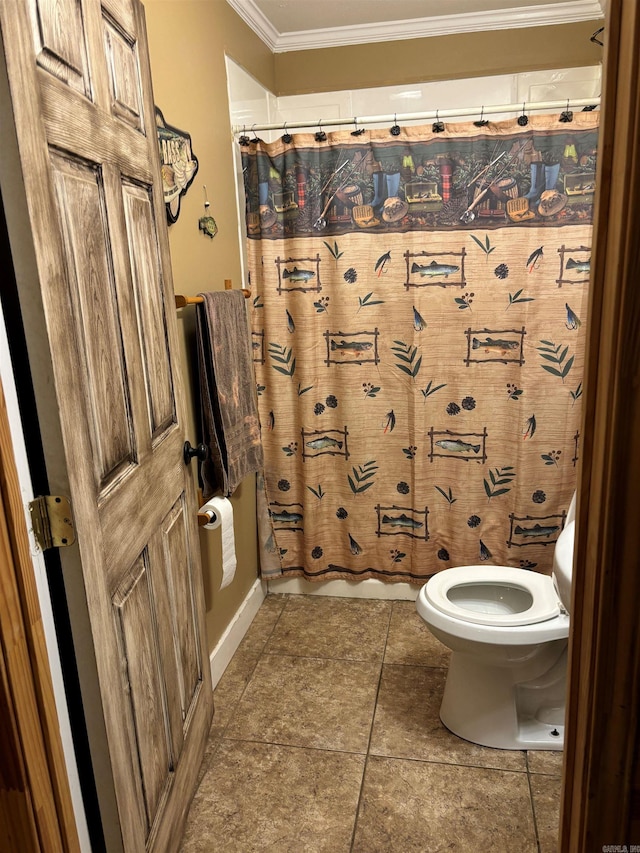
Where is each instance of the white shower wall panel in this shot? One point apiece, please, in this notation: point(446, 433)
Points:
point(559, 84)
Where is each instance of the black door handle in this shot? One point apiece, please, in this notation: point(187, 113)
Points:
point(188, 452)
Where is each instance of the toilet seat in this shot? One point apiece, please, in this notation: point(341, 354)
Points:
point(497, 595)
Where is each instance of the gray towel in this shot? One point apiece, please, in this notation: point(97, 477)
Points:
point(229, 418)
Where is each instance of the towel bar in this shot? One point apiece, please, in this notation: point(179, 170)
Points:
point(181, 300)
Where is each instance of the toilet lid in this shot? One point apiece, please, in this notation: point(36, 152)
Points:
point(493, 595)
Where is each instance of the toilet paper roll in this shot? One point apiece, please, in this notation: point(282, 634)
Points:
point(220, 511)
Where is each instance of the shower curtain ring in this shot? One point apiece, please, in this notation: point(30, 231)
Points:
point(359, 130)
point(395, 128)
point(437, 126)
point(320, 135)
point(244, 139)
point(523, 120)
point(255, 138)
point(286, 137)
point(482, 122)
point(566, 115)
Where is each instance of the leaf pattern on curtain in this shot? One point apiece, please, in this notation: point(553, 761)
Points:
point(418, 335)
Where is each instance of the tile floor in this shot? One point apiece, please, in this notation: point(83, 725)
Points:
point(326, 739)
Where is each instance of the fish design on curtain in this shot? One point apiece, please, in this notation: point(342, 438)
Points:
point(418, 339)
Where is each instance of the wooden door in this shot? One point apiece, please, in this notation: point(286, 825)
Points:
point(100, 323)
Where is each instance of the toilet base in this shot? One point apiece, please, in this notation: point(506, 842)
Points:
point(495, 706)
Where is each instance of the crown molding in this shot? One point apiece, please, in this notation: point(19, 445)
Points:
point(547, 14)
point(258, 22)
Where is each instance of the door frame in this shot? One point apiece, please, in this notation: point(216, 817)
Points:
point(600, 784)
point(36, 808)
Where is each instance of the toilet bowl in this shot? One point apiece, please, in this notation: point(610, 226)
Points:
point(508, 631)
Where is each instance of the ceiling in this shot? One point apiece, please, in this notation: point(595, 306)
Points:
point(304, 24)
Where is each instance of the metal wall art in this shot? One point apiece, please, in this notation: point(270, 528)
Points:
point(179, 164)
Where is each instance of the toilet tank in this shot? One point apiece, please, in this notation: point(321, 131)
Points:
point(563, 563)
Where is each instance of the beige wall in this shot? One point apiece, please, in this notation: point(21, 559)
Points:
point(440, 58)
point(188, 40)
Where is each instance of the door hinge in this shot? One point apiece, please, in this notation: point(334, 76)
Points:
point(52, 521)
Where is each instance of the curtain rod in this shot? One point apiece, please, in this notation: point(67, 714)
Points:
point(430, 114)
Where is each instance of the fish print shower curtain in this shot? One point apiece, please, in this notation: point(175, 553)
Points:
point(420, 298)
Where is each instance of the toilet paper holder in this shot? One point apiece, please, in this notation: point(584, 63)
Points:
point(207, 518)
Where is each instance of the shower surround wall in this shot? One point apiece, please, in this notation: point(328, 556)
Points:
point(419, 369)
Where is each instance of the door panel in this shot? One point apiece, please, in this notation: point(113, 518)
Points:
point(147, 285)
point(168, 636)
point(142, 680)
point(124, 73)
point(113, 434)
point(181, 596)
point(59, 41)
point(81, 212)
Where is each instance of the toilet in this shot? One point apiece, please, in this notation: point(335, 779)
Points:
point(508, 632)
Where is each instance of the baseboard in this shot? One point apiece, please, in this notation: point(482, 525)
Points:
point(369, 588)
point(235, 630)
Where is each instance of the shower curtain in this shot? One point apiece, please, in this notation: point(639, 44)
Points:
point(420, 298)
